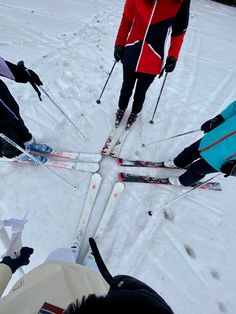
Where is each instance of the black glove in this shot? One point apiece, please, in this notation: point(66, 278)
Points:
point(22, 74)
point(170, 64)
point(23, 259)
point(229, 168)
point(118, 53)
point(212, 123)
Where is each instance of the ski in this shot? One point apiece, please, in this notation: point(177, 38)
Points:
point(69, 155)
point(116, 149)
point(73, 165)
point(91, 196)
point(107, 213)
point(142, 163)
point(126, 177)
point(109, 142)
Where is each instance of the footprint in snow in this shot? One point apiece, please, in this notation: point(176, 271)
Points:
point(190, 251)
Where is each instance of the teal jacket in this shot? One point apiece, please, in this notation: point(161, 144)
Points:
point(219, 145)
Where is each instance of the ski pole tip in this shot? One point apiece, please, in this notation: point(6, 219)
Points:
point(143, 145)
point(151, 122)
point(75, 187)
point(98, 101)
point(150, 213)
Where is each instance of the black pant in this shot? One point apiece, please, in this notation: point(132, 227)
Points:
point(143, 81)
point(15, 129)
point(197, 167)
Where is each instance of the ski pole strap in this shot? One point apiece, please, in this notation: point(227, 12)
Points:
point(101, 265)
point(35, 87)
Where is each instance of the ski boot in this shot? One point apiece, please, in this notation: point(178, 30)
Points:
point(132, 118)
point(169, 164)
point(174, 181)
point(32, 146)
point(119, 116)
point(24, 158)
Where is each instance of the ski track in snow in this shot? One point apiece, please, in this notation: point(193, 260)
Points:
point(187, 258)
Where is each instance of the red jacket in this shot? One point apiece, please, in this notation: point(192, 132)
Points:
point(144, 30)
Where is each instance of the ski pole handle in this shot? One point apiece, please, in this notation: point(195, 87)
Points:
point(15, 243)
point(35, 87)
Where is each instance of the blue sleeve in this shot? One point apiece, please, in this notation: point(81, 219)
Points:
point(230, 111)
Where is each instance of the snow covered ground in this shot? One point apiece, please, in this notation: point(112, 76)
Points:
point(190, 257)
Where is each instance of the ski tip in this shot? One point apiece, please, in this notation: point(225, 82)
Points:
point(119, 175)
point(119, 161)
point(97, 176)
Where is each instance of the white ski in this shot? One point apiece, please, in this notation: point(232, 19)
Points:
point(116, 149)
point(107, 213)
point(110, 141)
point(68, 155)
point(93, 189)
point(73, 165)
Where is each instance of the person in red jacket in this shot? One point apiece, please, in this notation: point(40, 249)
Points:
point(141, 43)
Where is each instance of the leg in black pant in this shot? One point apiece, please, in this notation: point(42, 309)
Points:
point(188, 155)
point(15, 128)
point(195, 172)
point(129, 78)
point(19, 134)
point(143, 83)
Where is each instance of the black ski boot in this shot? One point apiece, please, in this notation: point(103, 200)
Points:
point(132, 118)
point(119, 116)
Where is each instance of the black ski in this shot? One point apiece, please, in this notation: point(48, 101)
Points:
point(127, 177)
point(142, 163)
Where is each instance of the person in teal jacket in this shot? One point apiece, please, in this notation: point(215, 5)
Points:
point(214, 152)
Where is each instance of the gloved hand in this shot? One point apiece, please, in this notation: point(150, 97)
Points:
point(23, 259)
point(212, 123)
point(22, 74)
point(170, 64)
point(118, 53)
point(229, 168)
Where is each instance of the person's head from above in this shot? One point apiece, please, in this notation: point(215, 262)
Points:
point(125, 302)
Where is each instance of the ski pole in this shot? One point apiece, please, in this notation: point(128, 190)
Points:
point(150, 212)
point(168, 138)
point(62, 112)
point(109, 75)
point(14, 245)
point(4, 237)
point(7, 139)
point(162, 86)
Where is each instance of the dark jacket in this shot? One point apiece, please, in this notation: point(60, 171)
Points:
point(9, 110)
